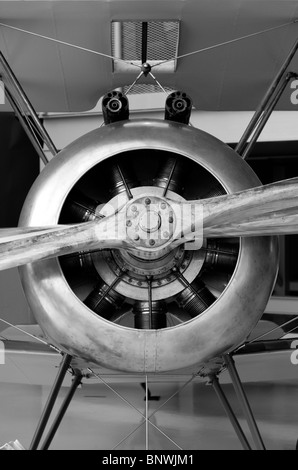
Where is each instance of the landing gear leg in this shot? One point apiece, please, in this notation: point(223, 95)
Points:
point(244, 403)
point(213, 380)
point(51, 402)
point(77, 380)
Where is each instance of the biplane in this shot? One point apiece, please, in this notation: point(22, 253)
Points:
point(148, 248)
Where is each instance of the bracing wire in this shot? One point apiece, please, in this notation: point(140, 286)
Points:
point(231, 41)
point(58, 41)
point(28, 334)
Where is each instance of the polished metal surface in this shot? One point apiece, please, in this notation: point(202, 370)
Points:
point(164, 283)
point(193, 418)
point(68, 323)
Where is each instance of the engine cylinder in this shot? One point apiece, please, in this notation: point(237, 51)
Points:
point(221, 255)
point(171, 175)
point(122, 178)
point(103, 300)
point(80, 262)
point(196, 298)
point(144, 319)
point(79, 208)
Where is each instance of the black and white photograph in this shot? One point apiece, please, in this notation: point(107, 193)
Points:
point(149, 227)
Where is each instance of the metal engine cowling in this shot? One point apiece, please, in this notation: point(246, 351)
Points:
point(231, 303)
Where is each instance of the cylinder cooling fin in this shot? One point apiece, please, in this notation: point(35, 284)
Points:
point(183, 306)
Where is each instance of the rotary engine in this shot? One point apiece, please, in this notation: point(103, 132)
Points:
point(125, 310)
point(107, 280)
point(191, 279)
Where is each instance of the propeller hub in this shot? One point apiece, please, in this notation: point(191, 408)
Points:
point(149, 217)
point(150, 221)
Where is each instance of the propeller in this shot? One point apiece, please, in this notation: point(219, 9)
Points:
point(23, 245)
point(266, 210)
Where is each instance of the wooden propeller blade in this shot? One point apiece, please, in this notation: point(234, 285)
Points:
point(27, 244)
point(266, 210)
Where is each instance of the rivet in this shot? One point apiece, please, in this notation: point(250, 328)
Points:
point(128, 223)
point(147, 201)
point(151, 242)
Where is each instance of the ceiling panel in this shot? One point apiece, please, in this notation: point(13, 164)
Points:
point(232, 77)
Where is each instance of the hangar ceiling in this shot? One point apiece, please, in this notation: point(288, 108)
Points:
point(232, 77)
